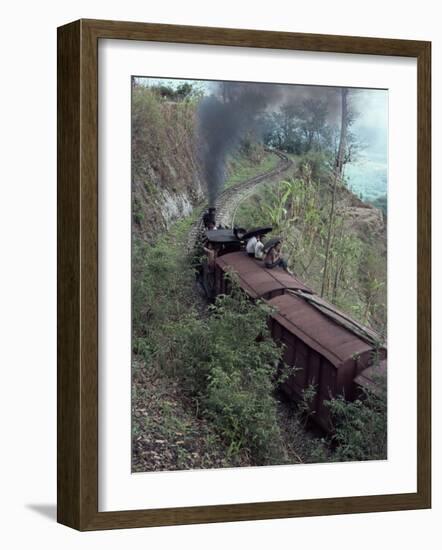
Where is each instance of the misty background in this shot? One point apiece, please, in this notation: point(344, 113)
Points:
point(366, 173)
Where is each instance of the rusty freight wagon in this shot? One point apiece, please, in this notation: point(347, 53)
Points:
point(254, 279)
point(327, 349)
point(324, 353)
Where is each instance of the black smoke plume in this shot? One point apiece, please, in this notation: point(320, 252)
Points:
point(223, 120)
point(235, 109)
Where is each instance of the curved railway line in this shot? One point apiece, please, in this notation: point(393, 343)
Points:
point(230, 198)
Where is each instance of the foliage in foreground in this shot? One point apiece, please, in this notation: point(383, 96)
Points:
point(227, 363)
point(360, 427)
point(225, 359)
point(161, 289)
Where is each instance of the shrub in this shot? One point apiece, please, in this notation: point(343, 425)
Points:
point(161, 292)
point(360, 427)
point(227, 363)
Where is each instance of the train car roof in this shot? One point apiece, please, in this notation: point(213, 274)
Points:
point(221, 236)
point(256, 279)
point(320, 332)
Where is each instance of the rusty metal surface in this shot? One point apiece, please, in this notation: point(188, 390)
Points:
point(318, 331)
point(221, 236)
point(257, 280)
point(326, 351)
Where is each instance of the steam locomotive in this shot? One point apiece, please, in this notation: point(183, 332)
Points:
point(328, 349)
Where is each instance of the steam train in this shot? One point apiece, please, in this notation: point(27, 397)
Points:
point(328, 349)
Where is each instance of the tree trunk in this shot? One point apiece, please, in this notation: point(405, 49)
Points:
point(337, 176)
point(340, 156)
point(340, 261)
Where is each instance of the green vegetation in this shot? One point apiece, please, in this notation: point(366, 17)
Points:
point(163, 161)
point(249, 162)
point(224, 360)
point(360, 427)
point(299, 126)
point(227, 363)
point(303, 126)
point(161, 289)
point(205, 380)
point(184, 91)
point(167, 434)
point(298, 210)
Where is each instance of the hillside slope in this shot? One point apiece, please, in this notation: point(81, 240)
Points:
point(166, 182)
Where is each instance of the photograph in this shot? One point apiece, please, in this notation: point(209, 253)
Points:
point(217, 288)
point(258, 273)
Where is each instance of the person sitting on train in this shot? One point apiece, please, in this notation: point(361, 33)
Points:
point(259, 248)
point(250, 246)
point(273, 258)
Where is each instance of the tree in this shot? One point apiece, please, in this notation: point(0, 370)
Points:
point(299, 126)
point(337, 179)
point(313, 114)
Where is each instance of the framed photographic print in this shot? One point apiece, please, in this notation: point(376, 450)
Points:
point(243, 274)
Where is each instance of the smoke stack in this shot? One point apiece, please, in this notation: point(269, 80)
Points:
point(209, 217)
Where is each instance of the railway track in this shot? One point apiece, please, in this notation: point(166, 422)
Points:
point(228, 200)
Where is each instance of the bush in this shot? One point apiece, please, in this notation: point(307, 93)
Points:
point(360, 427)
point(225, 360)
point(227, 363)
point(161, 291)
